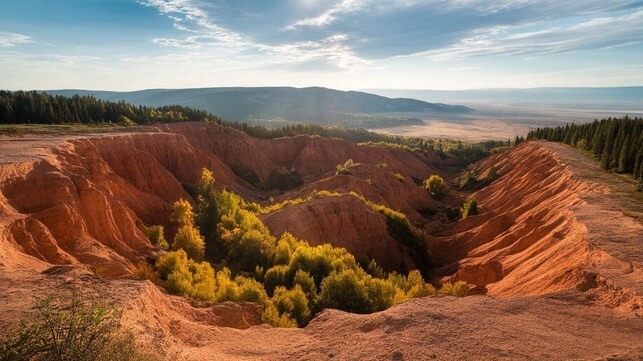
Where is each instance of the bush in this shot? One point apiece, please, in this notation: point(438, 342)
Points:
point(226, 288)
point(344, 291)
point(125, 121)
point(182, 215)
point(307, 283)
point(470, 208)
point(459, 289)
point(71, 331)
point(272, 317)
point(189, 239)
point(276, 276)
point(469, 181)
point(345, 169)
point(145, 271)
point(293, 303)
point(320, 261)
point(184, 276)
point(250, 290)
point(436, 186)
point(154, 234)
point(380, 294)
point(247, 240)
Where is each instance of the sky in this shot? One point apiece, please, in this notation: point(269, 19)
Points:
point(341, 44)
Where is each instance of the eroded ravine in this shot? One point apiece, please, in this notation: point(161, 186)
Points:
point(76, 201)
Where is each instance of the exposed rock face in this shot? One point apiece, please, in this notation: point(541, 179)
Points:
point(528, 239)
point(77, 199)
point(343, 221)
point(543, 230)
point(377, 183)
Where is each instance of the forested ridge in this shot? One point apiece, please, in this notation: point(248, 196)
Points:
point(616, 142)
point(32, 107)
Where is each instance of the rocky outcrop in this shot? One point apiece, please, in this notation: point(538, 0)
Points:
point(343, 221)
point(528, 239)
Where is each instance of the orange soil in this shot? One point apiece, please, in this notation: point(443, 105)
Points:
point(529, 239)
point(552, 242)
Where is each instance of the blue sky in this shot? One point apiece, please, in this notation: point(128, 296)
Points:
point(343, 44)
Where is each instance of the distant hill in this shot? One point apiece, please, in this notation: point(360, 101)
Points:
point(282, 105)
point(624, 98)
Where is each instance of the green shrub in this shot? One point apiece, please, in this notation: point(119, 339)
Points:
point(375, 270)
point(469, 181)
point(293, 303)
point(458, 289)
point(226, 288)
point(169, 262)
point(73, 330)
point(250, 290)
point(399, 177)
point(190, 240)
point(380, 294)
point(248, 242)
point(436, 186)
point(470, 208)
point(283, 251)
point(182, 214)
point(188, 237)
point(276, 276)
point(154, 234)
point(345, 169)
point(186, 277)
point(304, 280)
point(272, 317)
point(320, 261)
point(344, 291)
point(125, 121)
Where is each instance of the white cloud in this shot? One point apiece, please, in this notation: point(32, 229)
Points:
point(205, 34)
point(13, 39)
point(328, 16)
point(599, 33)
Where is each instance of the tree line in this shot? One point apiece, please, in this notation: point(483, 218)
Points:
point(32, 107)
point(616, 142)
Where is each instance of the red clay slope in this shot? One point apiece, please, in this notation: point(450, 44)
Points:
point(528, 239)
point(77, 199)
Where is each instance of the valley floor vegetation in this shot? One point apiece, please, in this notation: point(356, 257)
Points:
point(223, 252)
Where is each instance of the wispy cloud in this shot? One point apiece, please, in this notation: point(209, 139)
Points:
point(330, 15)
point(13, 39)
point(598, 33)
point(204, 33)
